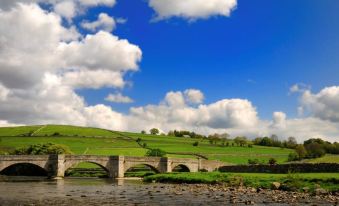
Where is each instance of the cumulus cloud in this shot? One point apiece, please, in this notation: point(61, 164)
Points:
point(43, 62)
point(279, 120)
point(65, 8)
point(101, 51)
point(323, 105)
point(104, 22)
point(224, 114)
point(118, 98)
point(194, 96)
point(192, 9)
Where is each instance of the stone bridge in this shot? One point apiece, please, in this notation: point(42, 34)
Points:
point(115, 166)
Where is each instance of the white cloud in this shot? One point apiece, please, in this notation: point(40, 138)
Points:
point(118, 98)
point(194, 96)
point(192, 9)
point(66, 9)
point(101, 51)
point(93, 79)
point(300, 87)
point(42, 63)
point(323, 105)
point(104, 117)
point(279, 120)
point(175, 99)
point(104, 22)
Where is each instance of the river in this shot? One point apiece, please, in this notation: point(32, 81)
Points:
point(93, 191)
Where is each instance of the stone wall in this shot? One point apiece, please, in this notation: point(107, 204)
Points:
point(283, 168)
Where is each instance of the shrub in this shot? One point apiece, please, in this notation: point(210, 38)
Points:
point(195, 144)
point(155, 153)
point(144, 145)
point(56, 134)
point(139, 139)
point(293, 157)
point(272, 161)
point(43, 149)
point(253, 161)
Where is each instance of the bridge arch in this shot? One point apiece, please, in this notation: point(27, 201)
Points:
point(75, 163)
point(181, 168)
point(130, 166)
point(24, 169)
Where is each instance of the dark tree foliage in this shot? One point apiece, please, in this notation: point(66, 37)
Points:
point(43, 149)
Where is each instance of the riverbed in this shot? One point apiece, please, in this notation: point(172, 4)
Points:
point(93, 191)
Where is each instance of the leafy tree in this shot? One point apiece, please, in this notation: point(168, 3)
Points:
point(195, 143)
point(300, 151)
point(293, 156)
point(143, 132)
point(315, 150)
point(272, 161)
point(240, 141)
point(154, 131)
point(291, 143)
point(43, 149)
point(155, 153)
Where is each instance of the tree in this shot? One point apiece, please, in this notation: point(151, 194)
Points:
point(154, 131)
point(195, 144)
point(143, 132)
point(301, 151)
point(291, 143)
point(240, 141)
point(272, 161)
point(315, 150)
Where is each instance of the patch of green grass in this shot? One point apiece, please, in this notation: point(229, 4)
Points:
point(74, 131)
point(17, 131)
point(325, 159)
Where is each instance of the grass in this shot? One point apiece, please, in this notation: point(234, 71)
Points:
point(295, 182)
point(325, 159)
point(95, 141)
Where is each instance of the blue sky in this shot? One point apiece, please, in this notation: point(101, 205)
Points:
point(257, 53)
point(249, 68)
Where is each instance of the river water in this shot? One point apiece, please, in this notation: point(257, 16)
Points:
point(93, 191)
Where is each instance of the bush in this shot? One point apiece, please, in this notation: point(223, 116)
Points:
point(253, 161)
point(56, 134)
point(144, 145)
point(195, 144)
point(293, 157)
point(155, 153)
point(43, 149)
point(272, 161)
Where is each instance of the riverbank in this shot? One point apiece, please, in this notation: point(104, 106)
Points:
point(301, 182)
point(105, 192)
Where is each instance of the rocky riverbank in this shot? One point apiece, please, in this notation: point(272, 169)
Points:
point(157, 194)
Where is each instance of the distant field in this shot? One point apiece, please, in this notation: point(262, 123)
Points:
point(83, 140)
point(326, 159)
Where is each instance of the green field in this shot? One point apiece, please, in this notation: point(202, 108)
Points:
point(83, 140)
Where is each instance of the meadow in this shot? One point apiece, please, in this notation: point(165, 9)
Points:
point(95, 141)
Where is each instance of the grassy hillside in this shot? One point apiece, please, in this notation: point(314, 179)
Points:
point(83, 140)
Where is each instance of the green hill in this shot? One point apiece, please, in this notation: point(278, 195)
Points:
point(84, 140)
